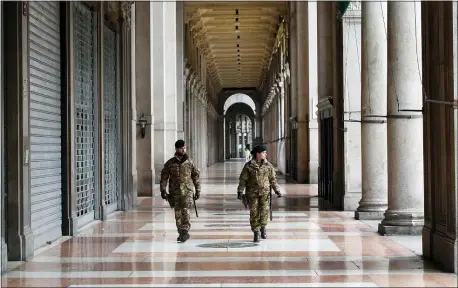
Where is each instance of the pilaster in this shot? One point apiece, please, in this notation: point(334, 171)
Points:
point(144, 104)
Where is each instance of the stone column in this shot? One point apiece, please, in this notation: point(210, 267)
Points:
point(281, 85)
point(195, 136)
point(243, 132)
point(351, 29)
point(180, 65)
point(281, 127)
point(227, 138)
point(302, 107)
point(313, 91)
point(133, 100)
point(164, 77)
point(144, 101)
point(374, 75)
point(405, 122)
point(192, 119)
point(237, 139)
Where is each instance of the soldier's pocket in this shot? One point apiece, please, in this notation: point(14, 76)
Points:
point(187, 201)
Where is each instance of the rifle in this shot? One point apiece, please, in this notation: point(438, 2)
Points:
point(195, 207)
point(270, 203)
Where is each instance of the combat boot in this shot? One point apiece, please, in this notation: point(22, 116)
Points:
point(256, 237)
point(185, 236)
point(180, 237)
point(263, 233)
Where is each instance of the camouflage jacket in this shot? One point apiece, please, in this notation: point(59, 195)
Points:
point(181, 175)
point(258, 178)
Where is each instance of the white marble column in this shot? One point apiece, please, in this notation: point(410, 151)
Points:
point(243, 132)
point(313, 91)
point(281, 125)
point(351, 30)
point(196, 127)
point(237, 139)
point(405, 128)
point(181, 88)
point(198, 135)
point(164, 79)
point(374, 75)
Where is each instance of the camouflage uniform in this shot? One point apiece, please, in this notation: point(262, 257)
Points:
point(257, 177)
point(182, 176)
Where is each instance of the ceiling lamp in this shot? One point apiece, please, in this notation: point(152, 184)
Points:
point(237, 29)
point(237, 21)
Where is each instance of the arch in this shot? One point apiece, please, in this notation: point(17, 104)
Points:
point(239, 98)
point(240, 108)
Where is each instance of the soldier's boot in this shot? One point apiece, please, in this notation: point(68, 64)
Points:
point(263, 233)
point(180, 237)
point(185, 236)
point(256, 237)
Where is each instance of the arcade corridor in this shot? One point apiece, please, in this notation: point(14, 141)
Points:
point(305, 247)
point(356, 103)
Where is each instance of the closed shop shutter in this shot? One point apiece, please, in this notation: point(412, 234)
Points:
point(111, 120)
point(85, 108)
point(45, 121)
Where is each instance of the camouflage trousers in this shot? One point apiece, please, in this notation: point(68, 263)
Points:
point(183, 206)
point(259, 211)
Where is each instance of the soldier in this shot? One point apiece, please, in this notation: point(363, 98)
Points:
point(258, 176)
point(182, 176)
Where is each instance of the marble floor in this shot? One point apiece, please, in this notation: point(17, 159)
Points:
point(306, 247)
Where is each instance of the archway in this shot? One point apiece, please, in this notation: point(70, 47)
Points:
point(238, 130)
point(239, 98)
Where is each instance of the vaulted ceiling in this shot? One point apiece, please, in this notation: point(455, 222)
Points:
point(236, 38)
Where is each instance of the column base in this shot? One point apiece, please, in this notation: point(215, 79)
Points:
point(373, 210)
point(4, 259)
point(402, 223)
point(369, 215)
point(351, 200)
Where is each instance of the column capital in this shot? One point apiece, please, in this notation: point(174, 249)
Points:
point(353, 10)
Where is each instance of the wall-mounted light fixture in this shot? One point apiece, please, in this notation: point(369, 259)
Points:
point(143, 122)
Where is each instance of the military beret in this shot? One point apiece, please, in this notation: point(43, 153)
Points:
point(258, 149)
point(179, 144)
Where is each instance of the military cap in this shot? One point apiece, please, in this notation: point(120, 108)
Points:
point(258, 149)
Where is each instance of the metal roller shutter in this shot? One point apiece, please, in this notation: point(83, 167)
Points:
point(111, 120)
point(45, 121)
point(85, 107)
